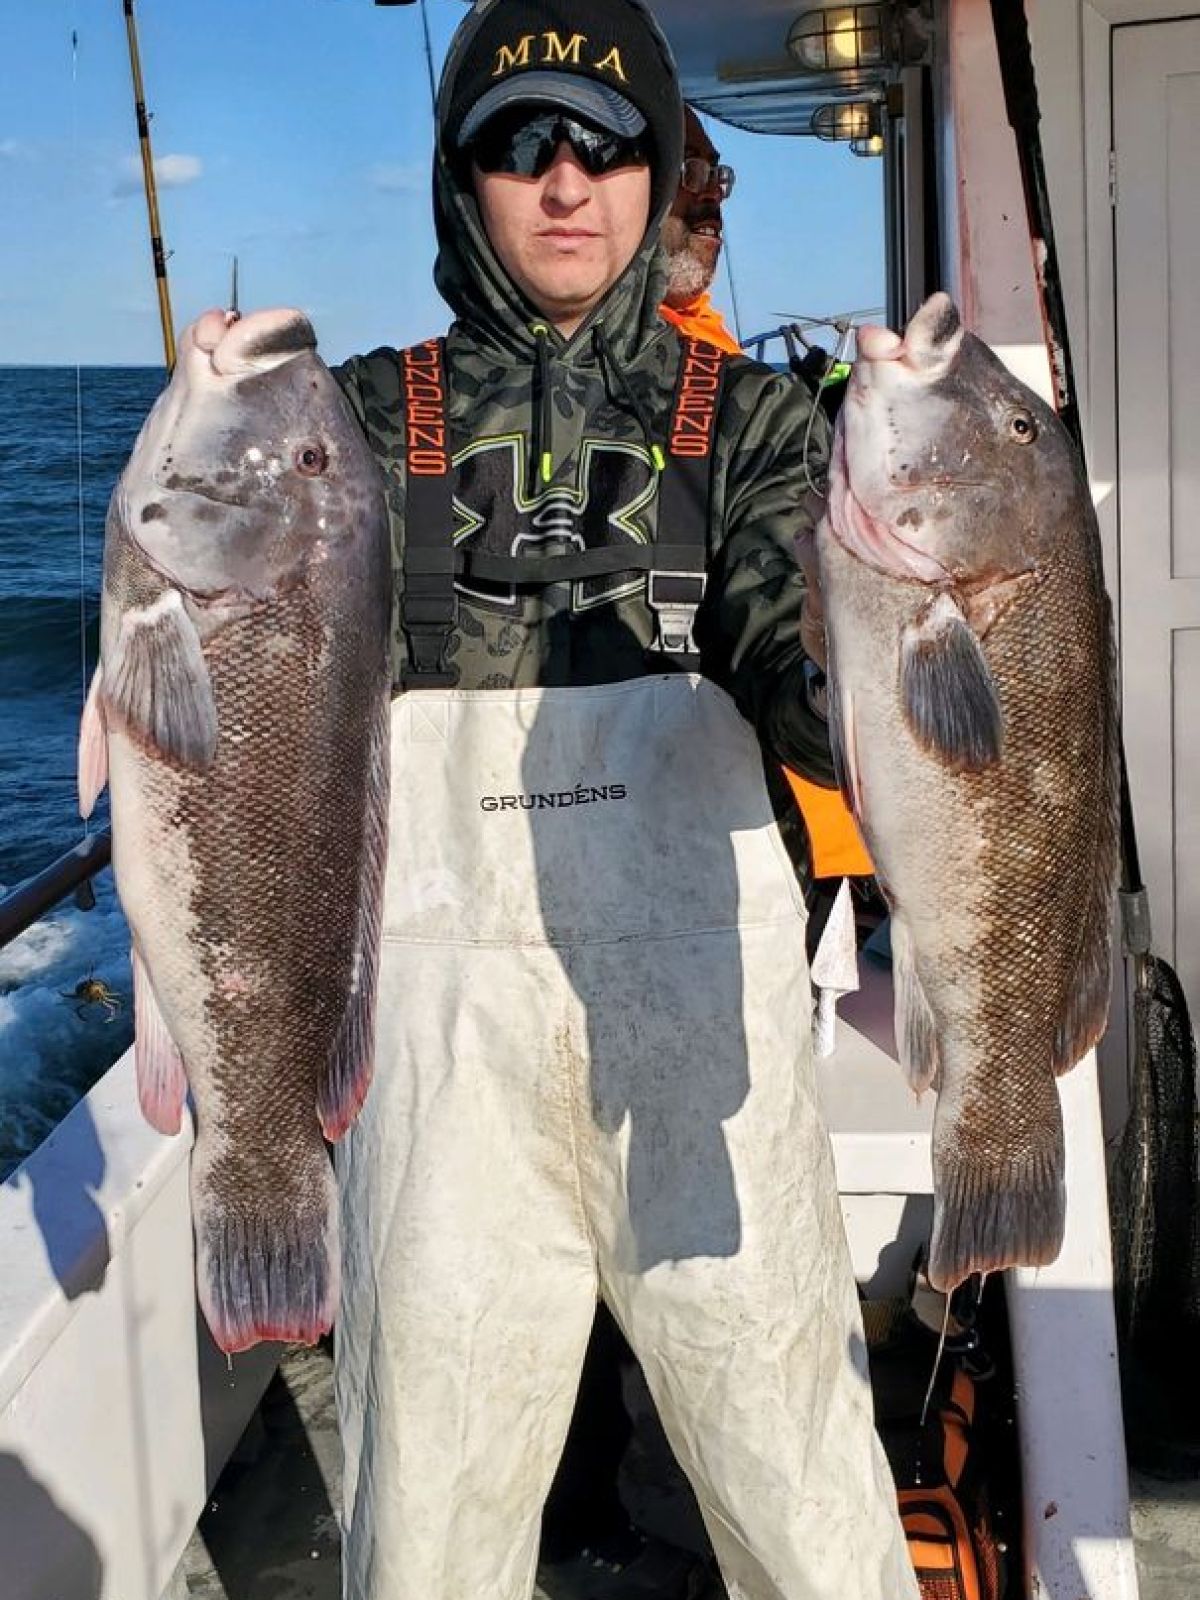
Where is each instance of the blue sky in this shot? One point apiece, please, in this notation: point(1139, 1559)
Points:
point(297, 133)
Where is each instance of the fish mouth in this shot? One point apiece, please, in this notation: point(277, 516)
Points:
point(260, 341)
point(919, 485)
point(876, 544)
point(931, 339)
point(187, 491)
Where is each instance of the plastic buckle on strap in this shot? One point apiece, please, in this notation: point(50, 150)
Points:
point(427, 667)
point(674, 597)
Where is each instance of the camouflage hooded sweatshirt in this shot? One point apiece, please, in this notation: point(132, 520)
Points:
point(552, 441)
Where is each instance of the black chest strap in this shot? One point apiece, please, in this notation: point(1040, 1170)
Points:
point(428, 605)
point(675, 563)
point(675, 586)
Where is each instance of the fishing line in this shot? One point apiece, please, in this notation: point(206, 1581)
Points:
point(79, 490)
point(844, 331)
point(737, 316)
point(429, 63)
point(937, 1361)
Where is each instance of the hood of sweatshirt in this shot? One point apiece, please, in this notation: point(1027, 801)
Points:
point(496, 315)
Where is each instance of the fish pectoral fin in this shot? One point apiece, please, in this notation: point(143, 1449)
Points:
point(947, 691)
point(156, 682)
point(916, 1030)
point(267, 1260)
point(342, 1090)
point(994, 1213)
point(161, 1079)
point(93, 748)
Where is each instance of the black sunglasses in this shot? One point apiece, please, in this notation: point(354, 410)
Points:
point(698, 176)
point(524, 143)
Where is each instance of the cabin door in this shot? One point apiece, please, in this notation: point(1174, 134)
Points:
point(1156, 121)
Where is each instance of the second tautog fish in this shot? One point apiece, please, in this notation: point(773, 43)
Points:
point(974, 717)
point(240, 715)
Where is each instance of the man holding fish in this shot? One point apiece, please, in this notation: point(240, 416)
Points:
point(592, 1072)
point(590, 1040)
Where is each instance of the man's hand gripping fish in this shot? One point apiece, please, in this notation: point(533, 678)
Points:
point(974, 718)
point(239, 714)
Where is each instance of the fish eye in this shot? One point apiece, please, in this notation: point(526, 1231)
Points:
point(1022, 428)
point(311, 460)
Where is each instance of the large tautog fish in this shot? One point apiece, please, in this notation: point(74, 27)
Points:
point(239, 713)
point(974, 720)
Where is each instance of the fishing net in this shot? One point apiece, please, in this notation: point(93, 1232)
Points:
point(1154, 1201)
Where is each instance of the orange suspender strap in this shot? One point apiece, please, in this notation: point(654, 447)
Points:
point(428, 608)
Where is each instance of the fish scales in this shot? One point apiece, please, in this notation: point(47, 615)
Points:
point(252, 879)
point(1000, 872)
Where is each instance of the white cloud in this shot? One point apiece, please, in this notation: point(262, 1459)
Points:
point(173, 172)
point(170, 172)
point(396, 177)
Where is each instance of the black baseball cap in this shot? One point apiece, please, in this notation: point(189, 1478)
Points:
point(603, 60)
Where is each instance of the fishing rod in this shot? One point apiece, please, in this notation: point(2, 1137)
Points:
point(73, 872)
point(156, 242)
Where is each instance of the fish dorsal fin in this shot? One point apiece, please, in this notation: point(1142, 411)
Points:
point(947, 691)
point(156, 682)
point(1086, 1002)
point(344, 1087)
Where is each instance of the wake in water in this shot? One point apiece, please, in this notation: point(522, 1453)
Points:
point(53, 1045)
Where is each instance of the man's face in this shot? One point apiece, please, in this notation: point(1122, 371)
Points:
point(565, 238)
point(691, 234)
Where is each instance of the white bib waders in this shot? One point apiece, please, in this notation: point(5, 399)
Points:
point(594, 1076)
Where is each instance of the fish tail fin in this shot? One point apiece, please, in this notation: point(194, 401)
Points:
point(266, 1259)
point(989, 1215)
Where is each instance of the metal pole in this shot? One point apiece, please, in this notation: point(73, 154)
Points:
point(1024, 115)
point(156, 243)
point(30, 901)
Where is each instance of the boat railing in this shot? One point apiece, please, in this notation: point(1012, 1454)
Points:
point(71, 873)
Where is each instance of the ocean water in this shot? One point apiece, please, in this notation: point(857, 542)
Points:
point(63, 442)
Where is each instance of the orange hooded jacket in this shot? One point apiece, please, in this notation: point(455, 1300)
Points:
point(834, 839)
